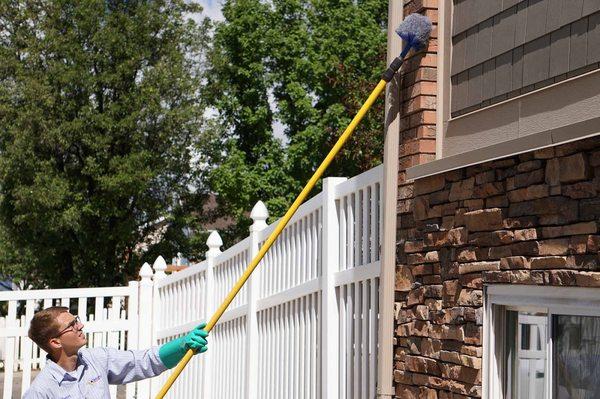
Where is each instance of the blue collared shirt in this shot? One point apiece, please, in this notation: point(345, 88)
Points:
point(96, 369)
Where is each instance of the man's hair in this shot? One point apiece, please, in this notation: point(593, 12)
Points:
point(44, 326)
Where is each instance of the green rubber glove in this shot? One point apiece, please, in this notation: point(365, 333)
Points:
point(173, 351)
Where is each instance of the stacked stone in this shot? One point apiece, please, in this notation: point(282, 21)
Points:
point(528, 219)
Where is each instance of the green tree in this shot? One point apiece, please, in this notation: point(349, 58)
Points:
point(308, 64)
point(99, 112)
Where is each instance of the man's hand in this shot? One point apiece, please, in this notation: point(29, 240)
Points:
point(196, 339)
point(173, 351)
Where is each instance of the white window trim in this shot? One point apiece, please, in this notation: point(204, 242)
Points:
point(554, 300)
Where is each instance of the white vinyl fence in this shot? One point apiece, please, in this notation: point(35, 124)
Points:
point(110, 316)
point(303, 326)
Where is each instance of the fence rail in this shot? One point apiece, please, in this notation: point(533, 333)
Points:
point(303, 326)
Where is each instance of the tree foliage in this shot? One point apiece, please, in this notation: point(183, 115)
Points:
point(99, 110)
point(307, 64)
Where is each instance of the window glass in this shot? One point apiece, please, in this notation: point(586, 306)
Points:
point(525, 355)
point(576, 361)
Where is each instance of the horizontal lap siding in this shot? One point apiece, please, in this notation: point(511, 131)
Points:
point(502, 49)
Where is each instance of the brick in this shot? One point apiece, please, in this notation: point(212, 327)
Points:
point(529, 193)
point(544, 153)
point(430, 347)
point(525, 248)
point(421, 312)
point(570, 230)
point(580, 190)
point(429, 184)
point(561, 277)
point(525, 234)
point(421, 270)
point(470, 297)
point(466, 255)
point(421, 208)
point(493, 238)
point(439, 197)
point(473, 204)
point(404, 278)
point(454, 237)
point(588, 279)
point(561, 208)
point(402, 377)
point(520, 222)
point(407, 391)
point(484, 219)
point(499, 201)
point(472, 280)
point(450, 357)
point(554, 247)
point(453, 332)
point(472, 267)
point(471, 350)
point(529, 166)
point(589, 209)
point(485, 177)
point(500, 252)
point(502, 277)
point(552, 172)
point(413, 246)
point(526, 277)
point(514, 262)
point(525, 179)
point(461, 373)
point(422, 365)
point(593, 244)
point(488, 190)
point(573, 168)
point(549, 262)
point(584, 262)
point(461, 190)
point(595, 159)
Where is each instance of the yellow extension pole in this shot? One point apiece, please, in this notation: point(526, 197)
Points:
point(280, 226)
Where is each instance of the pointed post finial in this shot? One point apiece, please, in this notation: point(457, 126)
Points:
point(259, 215)
point(146, 272)
point(159, 266)
point(214, 243)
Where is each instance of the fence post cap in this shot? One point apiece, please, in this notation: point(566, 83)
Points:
point(146, 271)
point(159, 266)
point(214, 243)
point(259, 215)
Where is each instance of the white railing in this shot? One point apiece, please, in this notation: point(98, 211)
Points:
point(303, 326)
point(110, 316)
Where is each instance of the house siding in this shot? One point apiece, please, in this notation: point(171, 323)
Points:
point(520, 46)
point(527, 219)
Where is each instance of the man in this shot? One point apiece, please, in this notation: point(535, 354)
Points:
point(74, 372)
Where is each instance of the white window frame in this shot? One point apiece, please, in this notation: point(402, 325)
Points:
point(572, 301)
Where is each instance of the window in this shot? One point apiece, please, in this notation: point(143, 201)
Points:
point(542, 343)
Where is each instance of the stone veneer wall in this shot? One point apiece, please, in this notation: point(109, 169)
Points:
point(528, 219)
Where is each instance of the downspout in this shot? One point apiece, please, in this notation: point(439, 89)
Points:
point(385, 356)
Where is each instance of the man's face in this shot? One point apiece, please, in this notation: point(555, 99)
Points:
point(71, 337)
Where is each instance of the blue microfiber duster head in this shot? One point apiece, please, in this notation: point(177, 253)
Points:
point(415, 31)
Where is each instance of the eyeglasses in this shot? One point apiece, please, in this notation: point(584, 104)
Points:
point(76, 321)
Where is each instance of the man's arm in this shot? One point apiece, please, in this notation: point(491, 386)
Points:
point(32, 393)
point(123, 367)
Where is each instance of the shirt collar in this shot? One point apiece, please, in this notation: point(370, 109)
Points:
point(60, 374)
